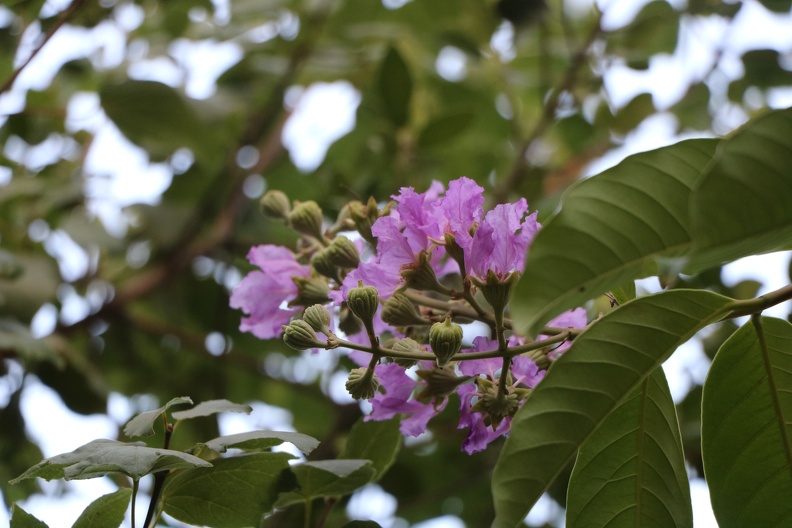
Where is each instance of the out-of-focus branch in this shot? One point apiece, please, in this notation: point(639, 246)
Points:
point(64, 17)
point(502, 190)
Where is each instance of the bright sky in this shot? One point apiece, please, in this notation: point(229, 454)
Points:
point(322, 114)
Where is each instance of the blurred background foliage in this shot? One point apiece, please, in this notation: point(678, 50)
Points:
point(103, 292)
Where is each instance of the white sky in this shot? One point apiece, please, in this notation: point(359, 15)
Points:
point(321, 114)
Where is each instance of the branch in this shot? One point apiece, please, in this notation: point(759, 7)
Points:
point(502, 190)
point(65, 15)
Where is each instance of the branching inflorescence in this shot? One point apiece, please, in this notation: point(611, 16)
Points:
point(431, 261)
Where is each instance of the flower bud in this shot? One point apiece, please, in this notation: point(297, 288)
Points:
point(323, 265)
point(446, 340)
point(313, 290)
point(300, 336)
point(306, 218)
point(407, 345)
point(364, 216)
point(363, 301)
point(440, 382)
point(398, 310)
point(421, 275)
point(455, 251)
point(275, 204)
point(347, 322)
point(319, 318)
point(343, 253)
point(362, 383)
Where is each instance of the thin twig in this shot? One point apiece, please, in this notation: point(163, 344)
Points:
point(65, 15)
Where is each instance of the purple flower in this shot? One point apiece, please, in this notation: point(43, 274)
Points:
point(501, 241)
point(480, 434)
point(570, 319)
point(462, 208)
point(399, 388)
point(261, 293)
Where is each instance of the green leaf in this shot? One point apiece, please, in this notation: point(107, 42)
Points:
point(378, 441)
point(22, 519)
point(395, 87)
point(143, 423)
point(746, 427)
point(740, 207)
point(631, 470)
point(445, 128)
point(327, 478)
point(106, 511)
point(101, 457)
point(255, 440)
point(211, 407)
point(235, 492)
point(155, 117)
point(591, 379)
point(610, 230)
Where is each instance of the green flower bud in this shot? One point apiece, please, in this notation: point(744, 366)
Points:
point(440, 382)
point(446, 340)
point(323, 265)
point(364, 216)
point(300, 336)
point(275, 204)
point(362, 383)
point(363, 301)
point(306, 218)
point(455, 251)
point(313, 290)
point(347, 322)
point(343, 253)
point(421, 275)
point(398, 310)
point(319, 318)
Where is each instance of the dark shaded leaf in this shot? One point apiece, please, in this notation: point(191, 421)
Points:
point(107, 511)
point(326, 478)
point(377, 441)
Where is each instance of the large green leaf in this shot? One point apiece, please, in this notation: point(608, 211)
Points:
point(631, 471)
point(143, 423)
point(378, 441)
point(211, 407)
point(746, 427)
point(101, 457)
point(234, 492)
point(610, 229)
point(591, 379)
point(741, 206)
point(395, 87)
point(106, 511)
point(327, 478)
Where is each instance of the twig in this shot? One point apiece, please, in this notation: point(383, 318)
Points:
point(62, 19)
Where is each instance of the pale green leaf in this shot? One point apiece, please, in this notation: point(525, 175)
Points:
point(101, 457)
point(631, 470)
point(741, 206)
point(378, 441)
point(107, 511)
point(211, 407)
point(327, 478)
point(143, 423)
point(746, 427)
point(22, 519)
point(395, 87)
point(235, 492)
point(603, 365)
point(256, 440)
point(610, 230)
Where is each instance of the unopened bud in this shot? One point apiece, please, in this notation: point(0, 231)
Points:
point(406, 344)
point(306, 218)
point(300, 336)
point(362, 383)
point(313, 290)
point(398, 310)
point(275, 204)
point(363, 301)
point(323, 265)
point(446, 340)
point(318, 317)
point(440, 382)
point(347, 322)
point(364, 217)
point(343, 253)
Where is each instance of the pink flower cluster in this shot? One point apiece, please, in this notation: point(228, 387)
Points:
point(420, 226)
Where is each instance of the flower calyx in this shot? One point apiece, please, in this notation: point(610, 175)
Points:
point(364, 216)
point(306, 218)
point(440, 382)
point(497, 404)
point(362, 383)
point(446, 341)
point(496, 290)
point(300, 336)
point(363, 301)
point(407, 344)
point(318, 317)
point(310, 290)
point(275, 204)
point(398, 310)
point(421, 275)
